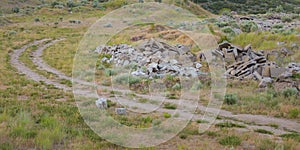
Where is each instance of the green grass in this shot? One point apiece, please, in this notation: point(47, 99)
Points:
point(295, 136)
point(263, 131)
point(229, 125)
point(170, 106)
point(263, 40)
point(230, 141)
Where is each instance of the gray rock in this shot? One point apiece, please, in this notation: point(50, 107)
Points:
point(120, 111)
point(265, 82)
point(101, 103)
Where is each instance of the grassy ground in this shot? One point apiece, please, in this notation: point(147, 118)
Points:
point(38, 116)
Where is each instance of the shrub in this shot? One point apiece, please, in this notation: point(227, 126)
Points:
point(170, 106)
point(231, 99)
point(222, 24)
point(212, 133)
point(230, 141)
point(84, 2)
point(263, 131)
point(110, 72)
point(36, 19)
point(57, 4)
point(15, 10)
point(249, 26)
point(177, 86)
point(286, 19)
point(95, 3)
point(294, 113)
point(289, 92)
point(167, 115)
point(228, 30)
point(183, 136)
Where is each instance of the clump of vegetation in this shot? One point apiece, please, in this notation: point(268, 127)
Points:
point(228, 30)
point(295, 136)
point(201, 121)
point(294, 113)
point(167, 115)
point(170, 106)
point(127, 79)
point(263, 131)
point(231, 99)
point(229, 125)
point(286, 19)
point(289, 92)
point(230, 141)
point(176, 87)
point(212, 134)
point(15, 10)
point(183, 136)
point(249, 26)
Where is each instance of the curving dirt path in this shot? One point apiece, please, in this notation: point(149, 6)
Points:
point(251, 122)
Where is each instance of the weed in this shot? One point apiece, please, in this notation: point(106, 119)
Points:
point(294, 113)
point(295, 136)
point(212, 134)
point(170, 106)
point(167, 115)
point(289, 92)
point(229, 125)
point(230, 141)
point(231, 99)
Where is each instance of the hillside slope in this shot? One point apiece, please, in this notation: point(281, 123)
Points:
point(250, 6)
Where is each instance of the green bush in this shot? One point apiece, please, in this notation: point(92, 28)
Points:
point(167, 115)
point(249, 26)
point(36, 19)
point(15, 10)
point(230, 141)
point(176, 87)
point(110, 72)
point(289, 92)
point(228, 30)
point(286, 19)
point(222, 24)
point(231, 99)
point(294, 113)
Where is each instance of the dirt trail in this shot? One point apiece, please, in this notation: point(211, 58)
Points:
point(257, 121)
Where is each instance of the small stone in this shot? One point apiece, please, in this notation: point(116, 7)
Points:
point(101, 103)
point(198, 65)
point(120, 111)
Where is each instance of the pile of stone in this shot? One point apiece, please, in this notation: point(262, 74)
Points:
point(244, 63)
point(154, 58)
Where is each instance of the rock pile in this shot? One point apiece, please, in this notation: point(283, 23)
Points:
point(154, 58)
point(242, 63)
